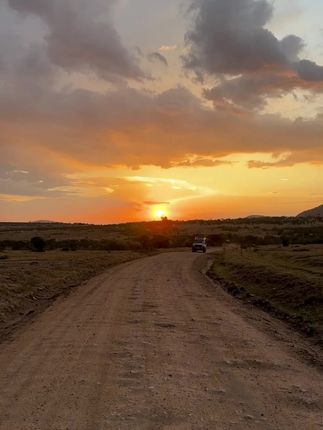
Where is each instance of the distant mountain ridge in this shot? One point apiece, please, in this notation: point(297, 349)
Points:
point(318, 211)
point(43, 221)
point(255, 216)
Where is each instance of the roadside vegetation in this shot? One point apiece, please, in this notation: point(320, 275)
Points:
point(286, 281)
point(30, 281)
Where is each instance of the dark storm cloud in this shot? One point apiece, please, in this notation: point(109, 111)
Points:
point(309, 71)
point(249, 92)
point(229, 37)
point(81, 36)
point(22, 63)
point(291, 47)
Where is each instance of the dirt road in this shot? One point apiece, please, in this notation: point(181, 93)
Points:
point(152, 345)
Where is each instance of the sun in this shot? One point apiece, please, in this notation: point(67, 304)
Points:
point(160, 213)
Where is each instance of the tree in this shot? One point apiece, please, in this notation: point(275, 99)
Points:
point(38, 244)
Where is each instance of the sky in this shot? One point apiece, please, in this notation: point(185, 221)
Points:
point(121, 110)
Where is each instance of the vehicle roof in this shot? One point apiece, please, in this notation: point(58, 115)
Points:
point(199, 239)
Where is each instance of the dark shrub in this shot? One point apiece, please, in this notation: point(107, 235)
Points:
point(181, 241)
point(115, 245)
point(38, 244)
point(144, 241)
point(18, 245)
point(215, 239)
point(285, 242)
point(159, 241)
point(51, 244)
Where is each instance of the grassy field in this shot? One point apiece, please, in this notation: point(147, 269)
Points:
point(263, 231)
point(30, 281)
point(286, 281)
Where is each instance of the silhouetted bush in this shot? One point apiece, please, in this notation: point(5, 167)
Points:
point(115, 245)
point(159, 241)
point(285, 242)
point(38, 244)
point(180, 241)
point(215, 240)
point(19, 245)
point(144, 241)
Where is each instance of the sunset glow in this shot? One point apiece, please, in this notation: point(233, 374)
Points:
point(160, 213)
point(188, 123)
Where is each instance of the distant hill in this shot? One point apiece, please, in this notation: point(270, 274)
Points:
point(312, 212)
point(43, 221)
point(255, 216)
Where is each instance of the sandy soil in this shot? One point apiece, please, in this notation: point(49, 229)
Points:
point(152, 344)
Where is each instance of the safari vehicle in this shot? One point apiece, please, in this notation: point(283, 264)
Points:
point(199, 244)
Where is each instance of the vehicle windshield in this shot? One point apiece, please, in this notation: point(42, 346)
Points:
point(199, 240)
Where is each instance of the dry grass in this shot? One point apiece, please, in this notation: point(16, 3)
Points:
point(25, 231)
point(289, 280)
point(29, 280)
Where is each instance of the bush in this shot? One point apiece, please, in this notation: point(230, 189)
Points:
point(18, 245)
point(159, 241)
point(285, 242)
point(215, 239)
point(38, 244)
point(144, 241)
point(181, 241)
point(114, 245)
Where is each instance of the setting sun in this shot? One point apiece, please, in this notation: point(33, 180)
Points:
point(160, 213)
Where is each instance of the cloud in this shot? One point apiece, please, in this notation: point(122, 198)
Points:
point(229, 39)
point(291, 47)
point(309, 71)
point(81, 36)
point(29, 172)
point(167, 48)
point(70, 129)
point(133, 128)
point(177, 190)
point(31, 185)
point(179, 184)
point(249, 92)
point(197, 161)
point(156, 56)
point(155, 203)
point(256, 164)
